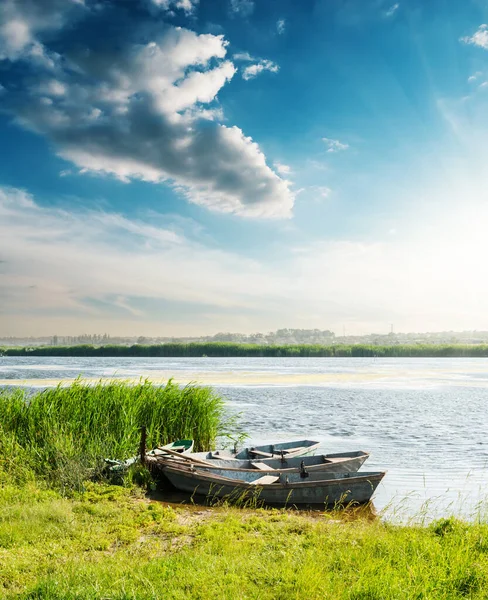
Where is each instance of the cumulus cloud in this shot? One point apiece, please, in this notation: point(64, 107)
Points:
point(21, 21)
point(187, 6)
point(148, 110)
point(282, 169)
point(244, 56)
point(253, 71)
point(479, 38)
point(280, 26)
point(334, 145)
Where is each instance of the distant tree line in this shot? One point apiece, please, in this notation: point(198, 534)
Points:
point(227, 349)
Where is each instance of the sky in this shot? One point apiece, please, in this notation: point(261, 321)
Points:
point(184, 167)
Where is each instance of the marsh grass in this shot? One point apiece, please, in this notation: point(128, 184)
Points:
point(227, 349)
point(109, 542)
point(62, 434)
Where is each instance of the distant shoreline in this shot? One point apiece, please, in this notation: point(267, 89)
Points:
point(233, 350)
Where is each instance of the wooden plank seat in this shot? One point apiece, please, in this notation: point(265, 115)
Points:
point(265, 480)
point(292, 450)
point(262, 467)
point(261, 453)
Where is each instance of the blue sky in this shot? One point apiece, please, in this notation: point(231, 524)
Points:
point(175, 167)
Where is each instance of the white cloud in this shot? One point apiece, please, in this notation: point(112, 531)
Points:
point(479, 38)
point(263, 65)
point(334, 145)
point(187, 6)
point(282, 169)
point(472, 78)
point(243, 8)
point(280, 26)
point(61, 261)
point(148, 111)
point(21, 21)
point(65, 271)
point(244, 56)
point(392, 10)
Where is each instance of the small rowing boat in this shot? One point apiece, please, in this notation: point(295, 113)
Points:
point(342, 462)
point(303, 488)
point(180, 446)
point(278, 450)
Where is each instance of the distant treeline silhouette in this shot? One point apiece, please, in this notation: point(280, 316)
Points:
point(229, 349)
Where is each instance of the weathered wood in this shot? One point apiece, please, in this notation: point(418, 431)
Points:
point(296, 450)
point(260, 453)
point(142, 447)
point(185, 457)
point(265, 480)
point(318, 488)
point(261, 466)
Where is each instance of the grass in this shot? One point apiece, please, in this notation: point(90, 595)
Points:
point(109, 542)
point(59, 435)
point(216, 349)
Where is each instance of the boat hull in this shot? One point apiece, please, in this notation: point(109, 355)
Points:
point(336, 489)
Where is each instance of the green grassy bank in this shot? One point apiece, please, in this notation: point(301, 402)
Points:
point(64, 536)
point(223, 349)
point(61, 435)
point(111, 543)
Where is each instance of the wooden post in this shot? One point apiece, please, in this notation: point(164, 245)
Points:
point(142, 447)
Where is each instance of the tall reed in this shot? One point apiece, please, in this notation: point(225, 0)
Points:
point(231, 349)
point(60, 433)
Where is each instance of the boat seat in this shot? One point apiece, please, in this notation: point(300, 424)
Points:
point(292, 450)
point(262, 467)
point(261, 453)
point(178, 448)
point(265, 480)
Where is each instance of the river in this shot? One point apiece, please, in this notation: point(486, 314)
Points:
point(424, 420)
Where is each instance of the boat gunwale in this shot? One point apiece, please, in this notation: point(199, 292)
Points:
point(312, 468)
point(355, 476)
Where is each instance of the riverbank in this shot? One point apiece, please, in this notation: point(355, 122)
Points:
point(112, 542)
point(63, 536)
point(228, 349)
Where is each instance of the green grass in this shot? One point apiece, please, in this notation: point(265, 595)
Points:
point(216, 349)
point(111, 543)
point(61, 434)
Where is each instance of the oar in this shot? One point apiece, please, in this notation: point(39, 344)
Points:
point(185, 457)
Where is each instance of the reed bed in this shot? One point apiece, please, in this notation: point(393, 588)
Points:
point(61, 434)
point(230, 349)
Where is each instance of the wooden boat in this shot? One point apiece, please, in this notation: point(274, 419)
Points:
point(290, 488)
point(180, 446)
point(342, 462)
point(280, 449)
